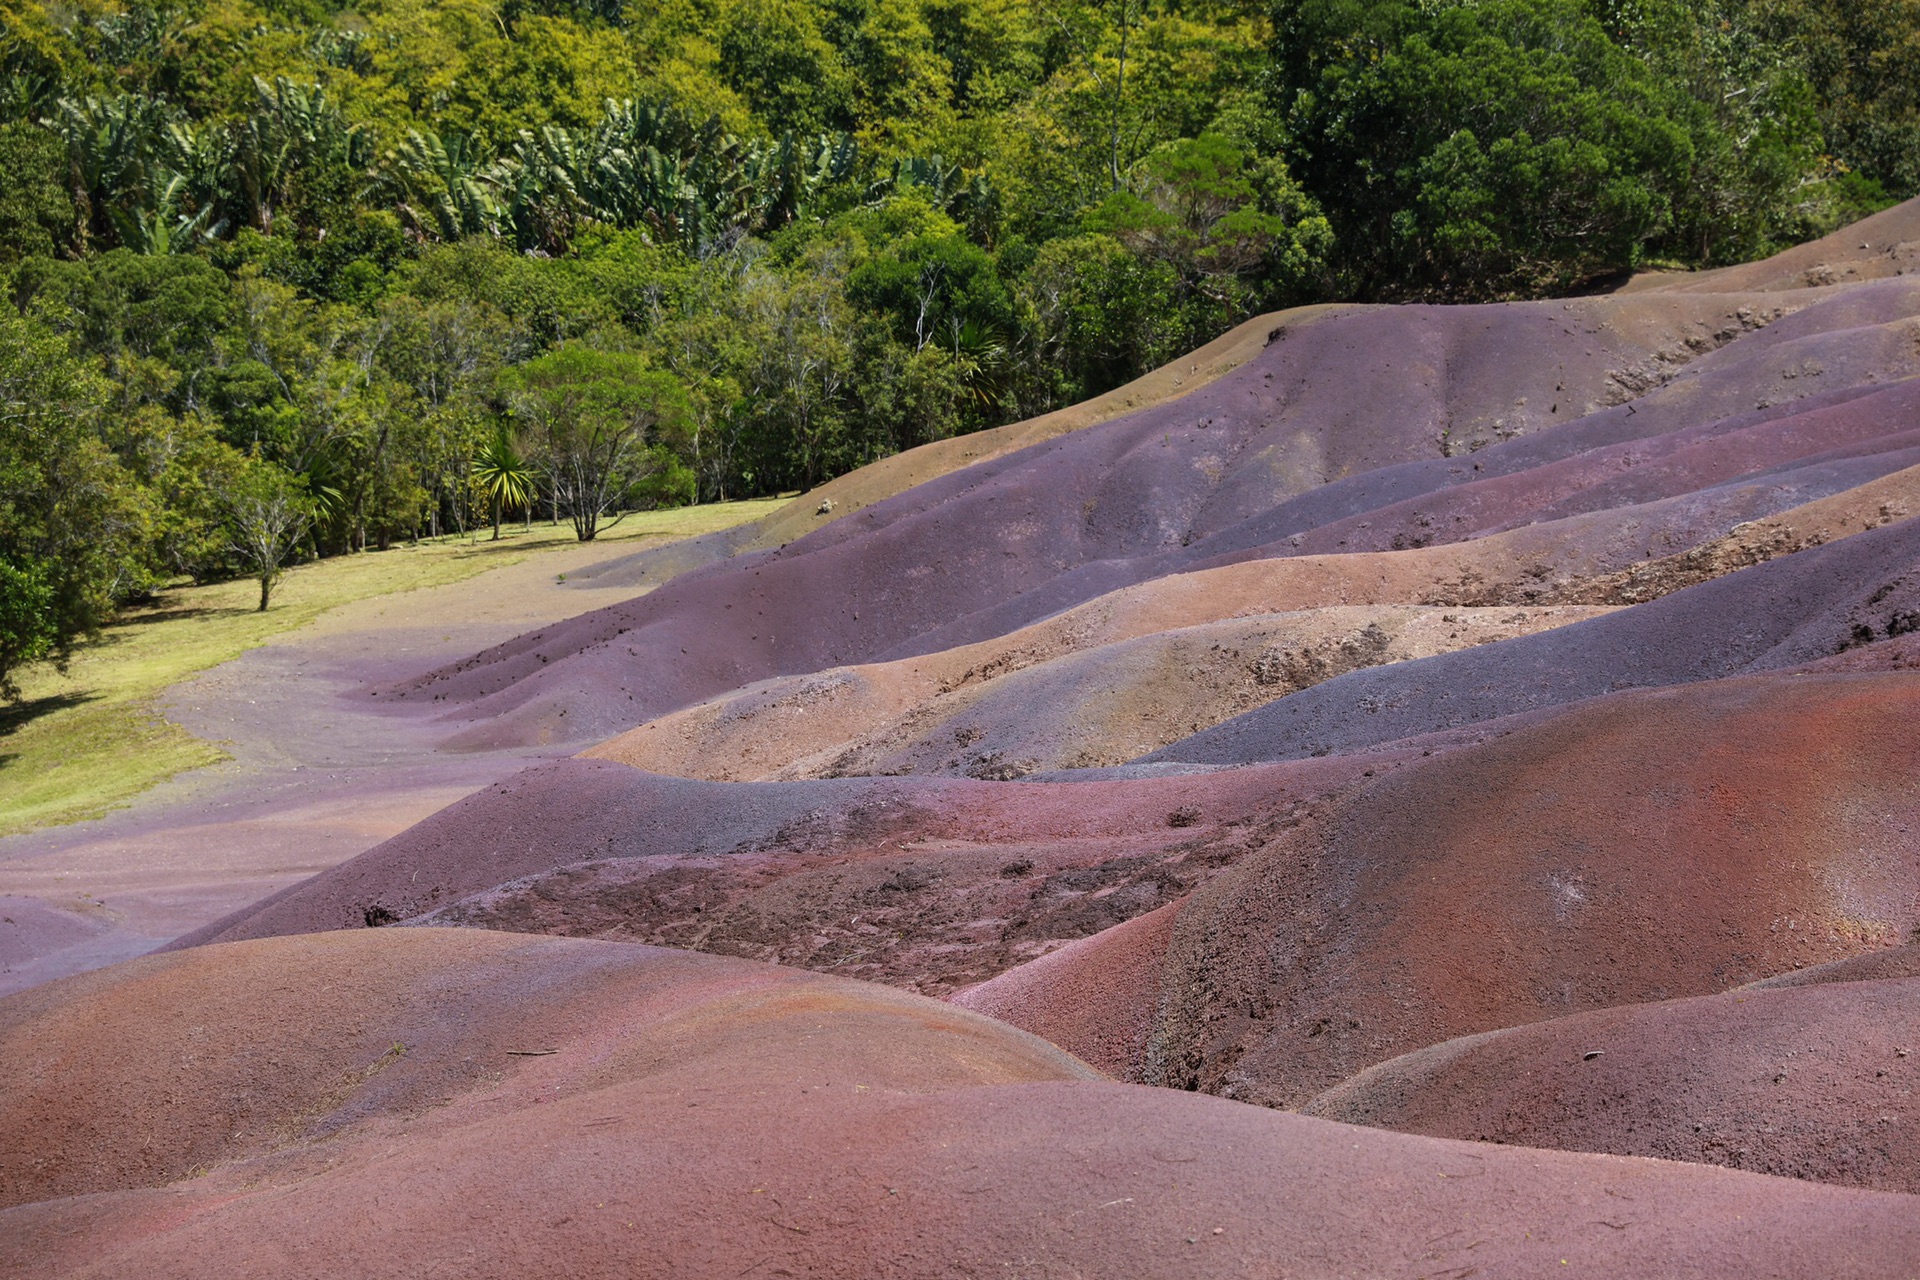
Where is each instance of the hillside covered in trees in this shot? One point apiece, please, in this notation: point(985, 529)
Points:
point(288, 280)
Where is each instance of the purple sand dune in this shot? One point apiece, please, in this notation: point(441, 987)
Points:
point(1338, 399)
point(1891, 962)
point(1691, 514)
point(1793, 610)
point(1635, 472)
point(1712, 396)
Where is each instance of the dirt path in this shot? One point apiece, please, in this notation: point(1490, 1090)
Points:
point(315, 778)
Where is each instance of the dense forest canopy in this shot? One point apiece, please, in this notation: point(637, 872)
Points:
point(385, 271)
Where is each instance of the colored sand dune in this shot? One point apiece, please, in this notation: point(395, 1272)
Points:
point(1401, 791)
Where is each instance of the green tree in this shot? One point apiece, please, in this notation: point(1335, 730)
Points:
point(36, 212)
point(29, 619)
point(1478, 150)
point(1202, 215)
point(504, 475)
point(74, 527)
point(931, 286)
point(604, 420)
point(1862, 60)
point(776, 56)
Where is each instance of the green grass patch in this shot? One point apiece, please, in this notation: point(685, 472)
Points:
point(82, 743)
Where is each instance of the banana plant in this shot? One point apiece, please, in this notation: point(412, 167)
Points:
point(442, 177)
point(202, 158)
point(110, 151)
point(293, 128)
point(794, 173)
point(540, 182)
point(26, 95)
point(164, 226)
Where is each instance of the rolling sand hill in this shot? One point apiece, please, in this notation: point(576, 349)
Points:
point(435, 1102)
point(1403, 791)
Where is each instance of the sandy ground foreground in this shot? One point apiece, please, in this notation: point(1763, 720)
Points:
point(315, 778)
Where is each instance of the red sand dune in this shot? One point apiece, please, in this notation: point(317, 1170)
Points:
point(353, 1105)
point(1637, 847)
point(1815, 1081)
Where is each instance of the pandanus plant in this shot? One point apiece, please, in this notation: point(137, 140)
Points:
point(504, 475)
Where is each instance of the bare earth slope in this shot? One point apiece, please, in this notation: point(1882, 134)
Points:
point(1810, 1082)
point(498, 1106)
point(1792, 610)
point(1636, 847)
point(1490, 729)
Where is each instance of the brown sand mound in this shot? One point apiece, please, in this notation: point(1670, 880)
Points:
point(1814, 1082)
point(683, 1116)
point(930, 884)
point(1095, 996)
point(1004, 709)
point(1636, 847)
point(264, 1046)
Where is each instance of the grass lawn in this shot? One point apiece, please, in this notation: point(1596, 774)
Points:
point(82, 743)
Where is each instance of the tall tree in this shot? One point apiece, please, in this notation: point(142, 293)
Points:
point(73, 526)
point(268, 513)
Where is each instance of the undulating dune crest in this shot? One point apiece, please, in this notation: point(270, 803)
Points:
point(1814, 1081)
point(1356, 412)
point(1788, 611)
point(1005, 707)
point(1892, 962)
point(435, 1102)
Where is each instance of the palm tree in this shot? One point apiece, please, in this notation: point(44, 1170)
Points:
point(980, 357)
point(504, 474)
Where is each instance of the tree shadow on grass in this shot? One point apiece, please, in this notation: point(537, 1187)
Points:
point(15, 716)
point(145, 617)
